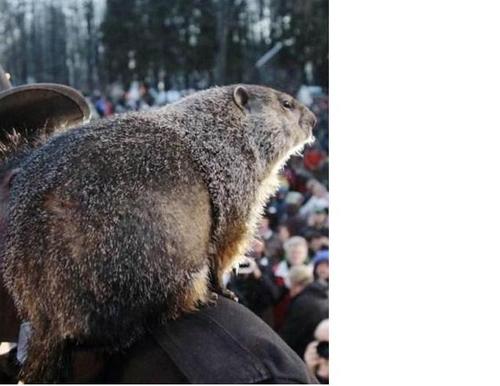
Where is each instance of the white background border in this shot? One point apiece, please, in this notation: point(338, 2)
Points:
point(415, 181)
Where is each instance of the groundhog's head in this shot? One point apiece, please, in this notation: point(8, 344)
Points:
point(280, 124)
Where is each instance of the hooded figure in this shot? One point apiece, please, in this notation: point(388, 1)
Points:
point(29, 114)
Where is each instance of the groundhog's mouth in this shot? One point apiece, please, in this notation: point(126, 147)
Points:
point(307, 129)
point(300, 146)
point(309, 136)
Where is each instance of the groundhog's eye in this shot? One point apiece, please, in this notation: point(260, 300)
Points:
point(287, 105)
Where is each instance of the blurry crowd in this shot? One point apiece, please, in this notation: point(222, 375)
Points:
point(138, 97)
point(284, 279)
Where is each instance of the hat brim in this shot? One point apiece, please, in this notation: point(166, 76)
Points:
point(41, 105)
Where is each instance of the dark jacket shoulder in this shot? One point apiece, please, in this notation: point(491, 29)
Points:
point(225, 343)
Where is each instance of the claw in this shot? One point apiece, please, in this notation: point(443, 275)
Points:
point(229, 294)
point(213, 297)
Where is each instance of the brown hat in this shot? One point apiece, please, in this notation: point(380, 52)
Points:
point(33, 106)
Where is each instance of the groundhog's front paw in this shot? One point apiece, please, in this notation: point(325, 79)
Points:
point(229, 294)
point(212, 299)
point(214, 296)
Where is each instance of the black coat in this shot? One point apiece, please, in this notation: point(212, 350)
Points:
point(225, 343)
point(304, 313)
point(256, 294)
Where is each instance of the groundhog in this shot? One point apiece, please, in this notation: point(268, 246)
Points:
point(122, 223)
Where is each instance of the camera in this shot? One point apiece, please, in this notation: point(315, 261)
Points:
point(245, 268)
point(323, 349)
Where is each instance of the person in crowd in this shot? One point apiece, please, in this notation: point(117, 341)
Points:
point(103, 106)
point(121, 104)
point(306, 309)
point(317, 242)
point(318, 221)
point(296, 253)
point(299, 277)
point(318, 199)
point(275, 207)
point(316, 355)
point(296, 249)
point(317, 232)
point(321, 267)
point(295, 222)
point(274, 247)
point(283, 233)
point(254, 286)
point(265, 232)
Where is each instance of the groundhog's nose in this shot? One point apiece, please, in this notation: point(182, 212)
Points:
point(308, 119)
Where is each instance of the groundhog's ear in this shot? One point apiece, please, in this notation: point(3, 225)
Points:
point(6, 181)
point(240, 96)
